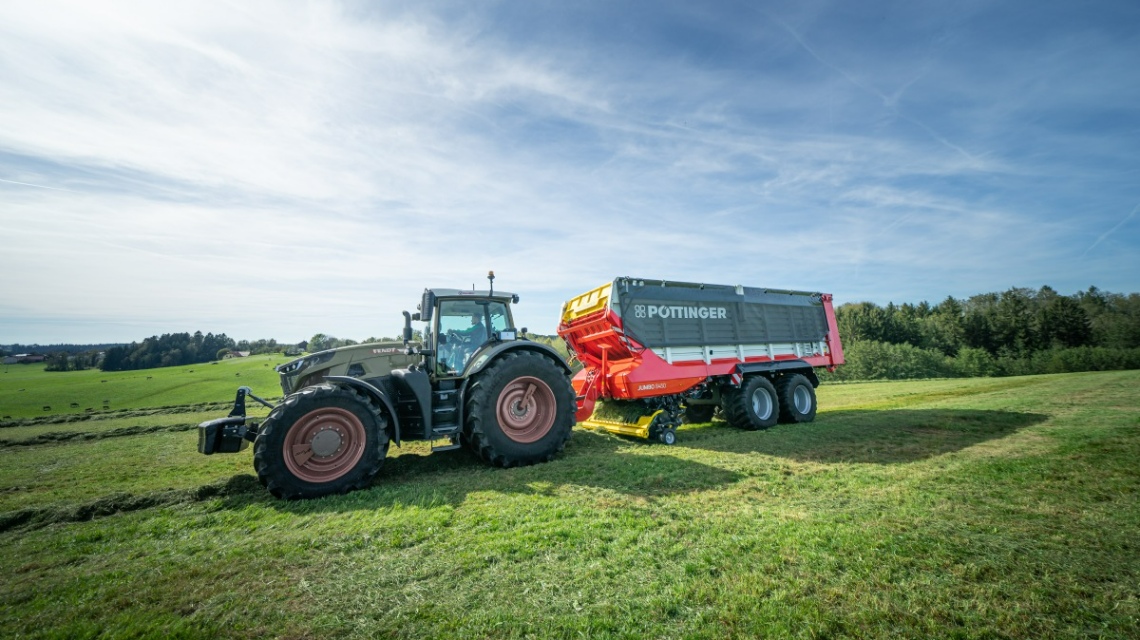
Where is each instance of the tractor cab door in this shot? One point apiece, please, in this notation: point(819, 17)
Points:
point(463, 328)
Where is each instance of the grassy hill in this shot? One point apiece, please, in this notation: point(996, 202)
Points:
point(26, 389)
point(973, 508)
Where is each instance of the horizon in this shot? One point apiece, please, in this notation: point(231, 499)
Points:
point(552, 333)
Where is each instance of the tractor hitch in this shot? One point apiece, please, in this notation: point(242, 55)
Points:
point(229, 434)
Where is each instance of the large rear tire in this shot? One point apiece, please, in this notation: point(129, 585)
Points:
point(320, 441)
point(753, 406)
point(520, 410)
point(797, 399)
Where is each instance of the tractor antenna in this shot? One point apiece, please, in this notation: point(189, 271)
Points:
point(491, 278)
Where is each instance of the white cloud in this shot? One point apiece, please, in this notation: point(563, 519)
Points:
point(288, 168)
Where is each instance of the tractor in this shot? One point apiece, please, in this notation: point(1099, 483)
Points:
point(473, 381)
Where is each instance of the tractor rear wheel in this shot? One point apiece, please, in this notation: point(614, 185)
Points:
point(520, 410)
point(322, 440)
point(753, 406)
point(797, 398)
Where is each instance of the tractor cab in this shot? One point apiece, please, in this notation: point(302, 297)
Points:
point(462, 324)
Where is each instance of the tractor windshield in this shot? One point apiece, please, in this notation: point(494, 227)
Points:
point(463, 329)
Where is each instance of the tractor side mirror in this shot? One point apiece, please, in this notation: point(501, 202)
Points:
point(407, 328)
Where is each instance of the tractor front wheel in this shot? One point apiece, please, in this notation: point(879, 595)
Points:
point(520, 410)
point(322, 440)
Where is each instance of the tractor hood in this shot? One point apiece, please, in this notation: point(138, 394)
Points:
point(364, 361)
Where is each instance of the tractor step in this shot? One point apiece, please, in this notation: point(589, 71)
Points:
point(445, 432)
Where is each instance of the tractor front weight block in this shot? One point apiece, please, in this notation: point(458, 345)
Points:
point(229, 434)
point(224, 435)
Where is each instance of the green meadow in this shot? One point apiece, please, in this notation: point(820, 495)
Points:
point(972, 508)
point(25, 390)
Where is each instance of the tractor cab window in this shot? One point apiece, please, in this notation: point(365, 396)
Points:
point(463, 329)
point(498, 312)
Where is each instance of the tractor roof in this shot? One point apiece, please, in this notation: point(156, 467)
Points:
point(503, 296)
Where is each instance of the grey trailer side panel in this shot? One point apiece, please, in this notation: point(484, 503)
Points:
point(665, 314)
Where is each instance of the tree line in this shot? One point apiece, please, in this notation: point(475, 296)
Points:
point(167, 350)
point(1015, 332)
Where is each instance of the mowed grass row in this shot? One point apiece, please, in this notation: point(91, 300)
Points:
point(971, 508)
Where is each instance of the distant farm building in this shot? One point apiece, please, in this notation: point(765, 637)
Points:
point(236, 354)
point(24, 358)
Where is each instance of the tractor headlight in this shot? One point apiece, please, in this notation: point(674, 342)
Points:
point(291, 367)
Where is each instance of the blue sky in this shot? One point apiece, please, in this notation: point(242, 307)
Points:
point(278, 169)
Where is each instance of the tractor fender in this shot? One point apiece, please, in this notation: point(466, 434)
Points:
point(375, 393)
point(780, 366)
point(490, 354)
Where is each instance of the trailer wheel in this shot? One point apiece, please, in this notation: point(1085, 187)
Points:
point(320, 441)
point(753, 406)
point(797, 399)
point(520, 410)
point(667, 436)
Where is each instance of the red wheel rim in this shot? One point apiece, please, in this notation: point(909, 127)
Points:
point(324, 444)
point(526, 409)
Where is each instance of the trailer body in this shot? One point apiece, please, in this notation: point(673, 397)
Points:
point(644, 340)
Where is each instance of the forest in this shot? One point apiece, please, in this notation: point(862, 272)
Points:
point(1017, 332)
point(168, 350)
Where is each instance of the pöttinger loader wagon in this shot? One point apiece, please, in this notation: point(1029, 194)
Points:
point(657, 353)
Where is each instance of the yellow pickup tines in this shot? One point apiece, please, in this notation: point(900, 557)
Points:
point(622, 418)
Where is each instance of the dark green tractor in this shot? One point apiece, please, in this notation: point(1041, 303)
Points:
point(473, 381)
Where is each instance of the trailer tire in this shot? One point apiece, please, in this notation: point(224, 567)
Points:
point(520, 410)
point(753, 406)
point(319, 441)
point(797, 399)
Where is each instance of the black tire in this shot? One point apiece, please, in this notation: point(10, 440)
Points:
point(520, 410)
point(346, 439)
point(797, 399)
point(753, 406)
point(698, 413)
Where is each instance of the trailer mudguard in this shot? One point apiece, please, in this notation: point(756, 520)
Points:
point(377, 394)
point(780, 366)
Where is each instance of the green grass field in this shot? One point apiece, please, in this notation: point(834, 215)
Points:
point(989, 508)
point(26, 389)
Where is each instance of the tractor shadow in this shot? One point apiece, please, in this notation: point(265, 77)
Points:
point(414, 477)
point(865, 436)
